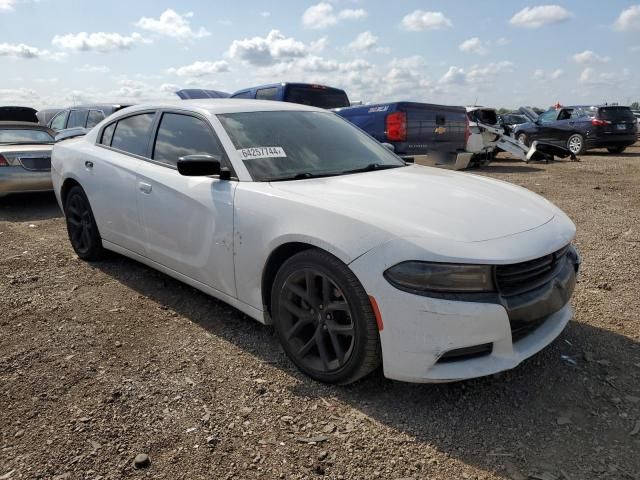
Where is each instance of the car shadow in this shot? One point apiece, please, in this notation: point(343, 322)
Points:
point(24, 207)
point(540, 416)
point(509, 165)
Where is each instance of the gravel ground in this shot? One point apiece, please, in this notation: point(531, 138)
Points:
point(102, 362)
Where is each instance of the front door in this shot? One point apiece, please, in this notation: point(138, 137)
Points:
point(188, 221)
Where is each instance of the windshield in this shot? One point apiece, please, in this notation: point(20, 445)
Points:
point(317, 97)
point(280, 145)
point(14, 135)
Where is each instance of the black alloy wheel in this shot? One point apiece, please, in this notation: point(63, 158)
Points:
point(324, 319)
point(81, 225)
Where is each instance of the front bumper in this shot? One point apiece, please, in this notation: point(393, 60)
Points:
point(15, 179)
point(420, 332)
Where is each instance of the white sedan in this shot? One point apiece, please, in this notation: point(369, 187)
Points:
point(299, 219)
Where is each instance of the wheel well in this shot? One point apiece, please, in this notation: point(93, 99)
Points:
point(274, 262)
point(68, 184)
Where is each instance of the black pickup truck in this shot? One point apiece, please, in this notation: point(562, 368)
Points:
point(416, 130)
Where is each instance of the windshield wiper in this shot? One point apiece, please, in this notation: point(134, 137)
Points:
point(371, 168)
point(303, 176)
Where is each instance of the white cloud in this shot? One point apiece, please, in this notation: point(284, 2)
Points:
point(268, 50)
point(407, 63)
point(265, 14)
point(589, 57)
point(323, 15)
point(318, 46)
point(454, 76)
point(502, 41)
point(99, 42)
point(634, 49)
point(18, 94)
point(93, 68)
point(200, 69)
point(473, 45)
point(590, 77)
point(7, 5)
point(20, 50)
point(629, 20)
point(172, 24)
point(477, 75)
point(364, 41)
point(536, 17)
point(169, 88)
point(540, 74)
point(419, 20)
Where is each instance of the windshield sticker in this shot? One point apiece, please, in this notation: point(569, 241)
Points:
point(261, 152)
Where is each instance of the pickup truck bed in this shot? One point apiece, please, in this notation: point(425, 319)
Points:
point(414, 129)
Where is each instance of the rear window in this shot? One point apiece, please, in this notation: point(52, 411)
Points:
point(132, 134)
point(270, 93)
point(95, 117)
point(615, 113)
point(320, 97)
point(14, 135)
point(484, 116)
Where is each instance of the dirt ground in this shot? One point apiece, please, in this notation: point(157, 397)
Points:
point(102, 362)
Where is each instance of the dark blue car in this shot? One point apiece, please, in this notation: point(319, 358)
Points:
point(583, 127)
point(314, 95)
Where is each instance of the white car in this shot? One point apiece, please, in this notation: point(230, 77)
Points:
point(297, 218)
point(480, 142)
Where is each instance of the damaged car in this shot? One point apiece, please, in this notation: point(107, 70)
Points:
point(299, 219)
point(582, 127)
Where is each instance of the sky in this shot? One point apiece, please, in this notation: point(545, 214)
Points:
point(489, 52)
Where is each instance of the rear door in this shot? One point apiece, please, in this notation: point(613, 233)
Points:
point(112, 193)
point(188, 221)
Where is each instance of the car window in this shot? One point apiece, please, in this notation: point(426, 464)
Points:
point(246, 94)
point(281, 144)
point(94, 118)
point(132, 134)
point(565, 114)
point(14, 135)
point(317, 96)
point(615, 113)
point(59, 120)
point(107, 134)
point(180, 135)
point(270, 93)
point(77, 118)
point(548, 116)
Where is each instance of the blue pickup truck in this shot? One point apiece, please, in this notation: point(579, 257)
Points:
point(305, 93)
point(425, 133)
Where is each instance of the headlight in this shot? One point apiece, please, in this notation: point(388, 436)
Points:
point(441, 277)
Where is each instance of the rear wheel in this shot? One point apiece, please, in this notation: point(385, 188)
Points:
point(575, 144)
point(616, 149)
point(324, 319)
point(81, 225)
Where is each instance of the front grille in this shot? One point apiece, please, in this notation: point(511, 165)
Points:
point(36, 163)
point(520, 278)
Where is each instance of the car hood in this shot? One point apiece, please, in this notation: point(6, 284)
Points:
point(424, 201)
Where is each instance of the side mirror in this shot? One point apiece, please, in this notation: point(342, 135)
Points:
point(202, 165)
point(389, 146)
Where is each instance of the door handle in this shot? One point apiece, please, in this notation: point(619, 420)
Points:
point(88, 164)
point(145, 187)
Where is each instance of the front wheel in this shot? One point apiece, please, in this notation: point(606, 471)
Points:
point(616, 149)
point(324, 318)
point(575, 144)
point(81, 225)
point(523, 139)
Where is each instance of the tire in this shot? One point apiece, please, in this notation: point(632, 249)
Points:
point(616, 149)
point(81, 226)
point(523, 138)
point(324, 319)
point(575, 144)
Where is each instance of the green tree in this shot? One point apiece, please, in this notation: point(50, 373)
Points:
point(635, 106)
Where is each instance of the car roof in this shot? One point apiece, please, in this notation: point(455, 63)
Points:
point(215, 106)
point(293, 84)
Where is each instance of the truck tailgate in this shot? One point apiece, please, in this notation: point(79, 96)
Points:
point(434, 128)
